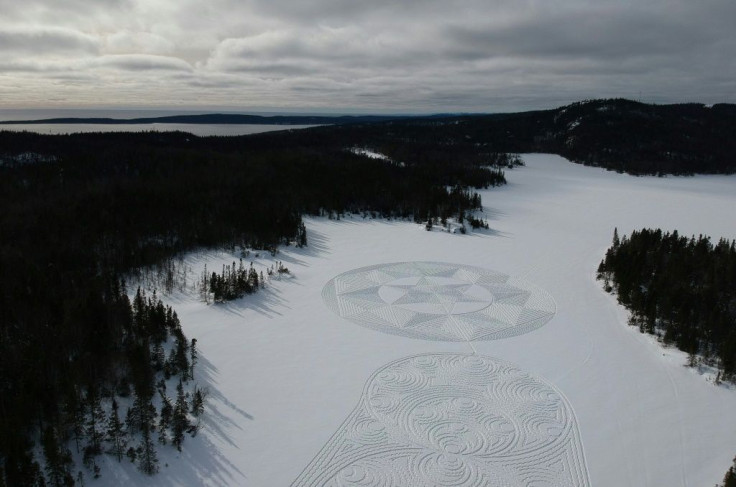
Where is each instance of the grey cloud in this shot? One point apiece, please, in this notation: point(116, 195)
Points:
point(614, 36)
point(141, 62)
point(427, 55)
point(45, 40)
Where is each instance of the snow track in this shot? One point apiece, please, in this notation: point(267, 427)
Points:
point(454, 420)
point(438, 301)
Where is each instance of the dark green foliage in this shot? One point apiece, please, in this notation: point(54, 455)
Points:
point(58, 459)
point(146, 453)
point(681, 288)
point(233, 283)
point(180, 420)
point(640, 138)
point(729, 480)
point(192, 357)
point(164, 423)
point(115, 436)
point(198, 402)
point(94, 428)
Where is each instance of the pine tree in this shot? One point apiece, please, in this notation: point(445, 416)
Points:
point(730, 479)
point(301, 240)
point(58, 459)
point(94, 424)
point(167, 411)
point(192, 357)
point(158, 356)
point(76, 410)
point(147, 459)
point(197, 409)
point(180, 420)
point(253, 278)
point(179, 359)
point(115, 435)
point(198, 402)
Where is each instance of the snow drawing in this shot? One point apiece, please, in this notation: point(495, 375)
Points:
point(448, 419)
point(453, 420)
point(438, 301)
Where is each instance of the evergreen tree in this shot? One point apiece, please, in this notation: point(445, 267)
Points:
point(180, 420)
point(729, 480)
point(115, 435)
point(198, 398)
point(95, 422)
point(164, 423)
point(146, 453)
point(192, 357)
point(58, 459)
point(197, 409)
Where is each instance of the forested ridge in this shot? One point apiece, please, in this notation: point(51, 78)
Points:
point(617, 134)
point(79, 212)
point(680, 288)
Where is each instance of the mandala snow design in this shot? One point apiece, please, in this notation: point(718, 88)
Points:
point(438, 301)
point(453, 419)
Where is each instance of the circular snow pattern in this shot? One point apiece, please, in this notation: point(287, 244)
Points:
point(453, 420)
point(438, 301)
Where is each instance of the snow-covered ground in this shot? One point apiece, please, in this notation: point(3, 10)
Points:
point(285, 371)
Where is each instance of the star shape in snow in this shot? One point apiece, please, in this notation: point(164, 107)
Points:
point(435, 298)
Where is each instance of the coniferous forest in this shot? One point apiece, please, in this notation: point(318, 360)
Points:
point(78, 213)
point(682, 289)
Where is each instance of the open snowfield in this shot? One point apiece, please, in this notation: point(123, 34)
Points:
point(518, 369)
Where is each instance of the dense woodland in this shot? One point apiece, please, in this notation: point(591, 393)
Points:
point(682, 289)
point(617, 134)
point(79, 212)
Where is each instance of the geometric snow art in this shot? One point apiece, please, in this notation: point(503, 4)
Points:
point(438, 301)
point(453, 420)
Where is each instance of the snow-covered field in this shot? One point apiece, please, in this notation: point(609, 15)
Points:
point(291, 376)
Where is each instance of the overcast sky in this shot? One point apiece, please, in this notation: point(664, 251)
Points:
point(366, 55)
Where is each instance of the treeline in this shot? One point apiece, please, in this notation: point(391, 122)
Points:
point(120, 361)
point(78, 212)
point(640, 138)
point(617, 134)
point(729, 480)
point(682, 289)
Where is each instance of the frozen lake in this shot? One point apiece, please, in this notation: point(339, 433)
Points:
point(493, 356)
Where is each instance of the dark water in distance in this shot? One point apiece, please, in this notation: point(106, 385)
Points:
point(201, 130)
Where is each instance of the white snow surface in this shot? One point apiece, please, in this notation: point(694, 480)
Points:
point(284, 371)
point(369, 153)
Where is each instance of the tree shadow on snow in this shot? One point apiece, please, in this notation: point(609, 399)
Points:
point(201, 461)
point(265, 301)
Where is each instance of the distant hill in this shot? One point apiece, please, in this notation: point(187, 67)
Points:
point(638, 138)
point(617, 134)
point(218, 118)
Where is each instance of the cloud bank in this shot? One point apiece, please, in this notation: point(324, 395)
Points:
point(409, 56)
